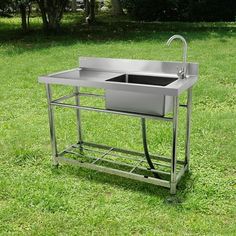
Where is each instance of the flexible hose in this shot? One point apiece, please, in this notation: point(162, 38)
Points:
point(145, 147)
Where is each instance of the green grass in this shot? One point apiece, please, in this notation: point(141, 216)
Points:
point(36, 199)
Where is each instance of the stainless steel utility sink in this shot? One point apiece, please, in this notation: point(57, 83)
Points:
point(131, 86)
point(140, 86)
point(155, 104)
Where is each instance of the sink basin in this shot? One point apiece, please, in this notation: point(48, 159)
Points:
point(143, 79)
point(154, 104)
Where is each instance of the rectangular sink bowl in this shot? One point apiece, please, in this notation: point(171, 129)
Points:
point(138, 102)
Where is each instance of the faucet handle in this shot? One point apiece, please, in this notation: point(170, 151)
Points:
point(180, 72)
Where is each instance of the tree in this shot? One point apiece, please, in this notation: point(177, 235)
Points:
point(4, 4)
point(116, 8)
point(90, 11)
point(52, 12)
point(25, 10)
point(74, 5)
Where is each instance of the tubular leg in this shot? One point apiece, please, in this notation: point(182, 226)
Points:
point(51, 125)
point(78, 116)
point(145, 146)
point(174, 145)
point(188, 127)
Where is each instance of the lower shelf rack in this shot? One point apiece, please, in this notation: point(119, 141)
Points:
point(125, 163)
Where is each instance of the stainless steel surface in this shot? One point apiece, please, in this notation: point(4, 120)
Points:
point(154, 104)
point(78, 115)
point(94, 72)
point(106, 153)
point(156, 157)
point(91, 95)
point(96, 163)
point(125, 157)
point(51, 125)
point(188, 127)
point(183, 71)
point(111, 111)
point(64, 97)
point(155, 172)
point(181, 173)
point(173, 182)
point(135, 167)
point(121, 173)
point(77, 94)
point(130, 66)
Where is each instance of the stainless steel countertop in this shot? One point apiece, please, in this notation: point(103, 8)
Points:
point(90, 76)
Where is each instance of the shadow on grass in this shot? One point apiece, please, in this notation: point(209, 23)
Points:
point(185, 185)
point(106, 30)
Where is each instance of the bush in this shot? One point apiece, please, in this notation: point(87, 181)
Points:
point(5, 7)
point(184, 10)
point(212, 10)
point(144, 10)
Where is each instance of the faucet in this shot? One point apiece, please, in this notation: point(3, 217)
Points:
point(183, 71)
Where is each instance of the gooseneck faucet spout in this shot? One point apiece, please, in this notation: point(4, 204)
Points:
point(183, 71)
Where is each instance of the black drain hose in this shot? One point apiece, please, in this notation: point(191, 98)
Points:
point(145, 147)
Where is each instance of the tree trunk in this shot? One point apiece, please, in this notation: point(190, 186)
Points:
point(74, 5)
point(116, 8)
point(86, 7)
point(92, 11)
point(28, 15)
point(52, 12)
point(23, 17)
point(43, 14)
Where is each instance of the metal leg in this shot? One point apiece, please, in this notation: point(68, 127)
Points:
point(173, 182)
point(51, 125)
point(145, 147)
point(188, 127)
point(78, 115)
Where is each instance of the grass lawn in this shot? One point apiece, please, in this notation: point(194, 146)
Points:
point(36, 199)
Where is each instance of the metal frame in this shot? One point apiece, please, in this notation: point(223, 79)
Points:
point(78, 116)
point(158, 170)
point(52, 125)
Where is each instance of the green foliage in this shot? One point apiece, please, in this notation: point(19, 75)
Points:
point(13, 3)
point(211, 10)
point(107, 3)
point(36, 199)
point(52, 13)
point(174, 10)
point(145, 10)
point(4, 5)
point(25, 2)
